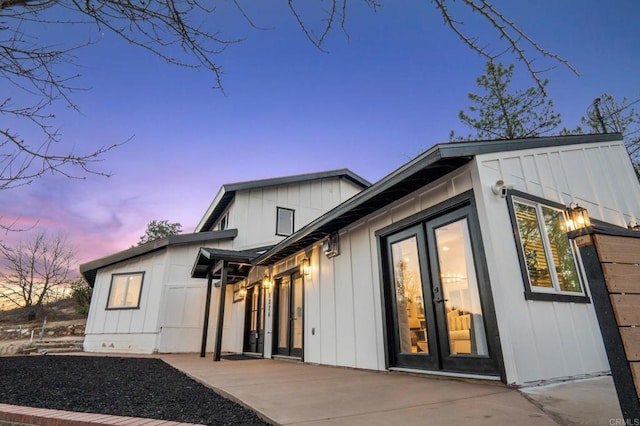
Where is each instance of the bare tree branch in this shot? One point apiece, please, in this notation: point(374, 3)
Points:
point(178, 31)
point(507, 30)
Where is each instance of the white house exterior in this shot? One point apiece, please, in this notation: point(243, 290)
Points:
point(457, 263)
point(144, 299)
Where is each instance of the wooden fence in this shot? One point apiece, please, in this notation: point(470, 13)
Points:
point(611, 260)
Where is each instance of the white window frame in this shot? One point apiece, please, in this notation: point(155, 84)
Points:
point(124, 279)
point(544, 293)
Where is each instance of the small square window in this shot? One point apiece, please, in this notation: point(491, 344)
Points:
point(284, 221)
point(549, 266)
point(125, 291)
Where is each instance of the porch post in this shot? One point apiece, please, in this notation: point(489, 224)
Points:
point(207, 309)
point(223, 290)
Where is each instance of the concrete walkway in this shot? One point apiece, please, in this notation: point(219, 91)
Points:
point(290, 393)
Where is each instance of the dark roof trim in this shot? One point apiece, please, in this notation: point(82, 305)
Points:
point(263, 183)
point(208, 258)
point(431, 165)
point(89, 270)
point(227, 191)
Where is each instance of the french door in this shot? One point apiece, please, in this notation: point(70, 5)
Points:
point(290, 313)
point(437, 302)
point(254, 320)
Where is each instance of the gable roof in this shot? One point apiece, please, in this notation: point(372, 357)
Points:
point(427, 167)
point(228, 191)
point(89, 270)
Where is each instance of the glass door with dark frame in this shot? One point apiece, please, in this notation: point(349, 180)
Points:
point(290, 314)
point(254, 320)
point(435, 298)
point(412, 324)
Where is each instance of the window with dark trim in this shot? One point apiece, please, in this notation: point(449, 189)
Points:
point(125, 290)
point(284, 221)
point(547, 259)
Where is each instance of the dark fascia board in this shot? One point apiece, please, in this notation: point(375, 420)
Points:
point(228, 190)
point(90, 269)
point(263, 183)
point(456, 149)
point(207, 257)
point(454, 154)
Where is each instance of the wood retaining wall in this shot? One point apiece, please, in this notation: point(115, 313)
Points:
point(611, 261)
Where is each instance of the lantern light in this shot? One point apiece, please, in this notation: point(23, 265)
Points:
point(578, 217)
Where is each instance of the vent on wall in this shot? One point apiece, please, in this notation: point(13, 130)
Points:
point(331, 246)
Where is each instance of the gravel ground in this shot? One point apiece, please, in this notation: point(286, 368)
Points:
point(138, 387)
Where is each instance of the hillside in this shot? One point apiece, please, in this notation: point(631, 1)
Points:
point(62, 321)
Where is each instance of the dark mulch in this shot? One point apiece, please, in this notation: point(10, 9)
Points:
point(137, 387)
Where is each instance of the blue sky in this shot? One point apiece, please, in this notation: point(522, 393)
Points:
point(389, 91)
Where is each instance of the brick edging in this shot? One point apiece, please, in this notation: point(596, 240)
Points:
point(17, 415)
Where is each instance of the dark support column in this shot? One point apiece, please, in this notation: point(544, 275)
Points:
point(207, 309)
point(223, 289)
point(620, 370)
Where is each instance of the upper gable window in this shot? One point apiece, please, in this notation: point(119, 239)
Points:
point(284, 221)
point(546, 254)
point(223, 223)
point(125, 290)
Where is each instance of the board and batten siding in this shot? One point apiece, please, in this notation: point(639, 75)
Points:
point(183, 301)
point(253, 212)
point(126, 330)
point(171, 313)
point(343, 302)
point(549, 340)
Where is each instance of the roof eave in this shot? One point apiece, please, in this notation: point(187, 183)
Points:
point(89, 269)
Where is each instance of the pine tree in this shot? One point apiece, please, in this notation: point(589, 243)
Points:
point(500, 113)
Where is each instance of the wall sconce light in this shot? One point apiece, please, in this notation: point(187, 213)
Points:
point(242, 292)
point(578, 217)
point(634, 226)
point(305, 266)
point(267, 282)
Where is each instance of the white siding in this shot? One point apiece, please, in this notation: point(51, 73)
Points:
point(343, 303)
point(253, 212)
point(171, 314)
point(549, 340)
point(106, 329)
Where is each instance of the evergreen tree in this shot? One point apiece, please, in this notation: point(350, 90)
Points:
point(501, 113)
point(157, 229)
point(606, 115)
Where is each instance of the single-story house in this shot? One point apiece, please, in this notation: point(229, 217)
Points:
point(457, 263)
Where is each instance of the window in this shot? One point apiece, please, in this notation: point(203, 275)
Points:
point(223, 223)
point(284, 221)
point(125, 290)
point(547, 259)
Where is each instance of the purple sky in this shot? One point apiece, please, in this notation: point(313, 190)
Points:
point(373, 102)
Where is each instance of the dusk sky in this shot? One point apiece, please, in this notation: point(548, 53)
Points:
point(374, 101)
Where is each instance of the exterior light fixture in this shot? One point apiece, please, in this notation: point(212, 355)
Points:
point(578, 217)
point(634, 226)
point(242, 292)
point(267, 282)
point(305, 266)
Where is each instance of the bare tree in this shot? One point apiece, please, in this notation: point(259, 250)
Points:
point(35, 269)
point(178, 32)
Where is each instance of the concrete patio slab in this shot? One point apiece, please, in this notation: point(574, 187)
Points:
point(289, 393)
